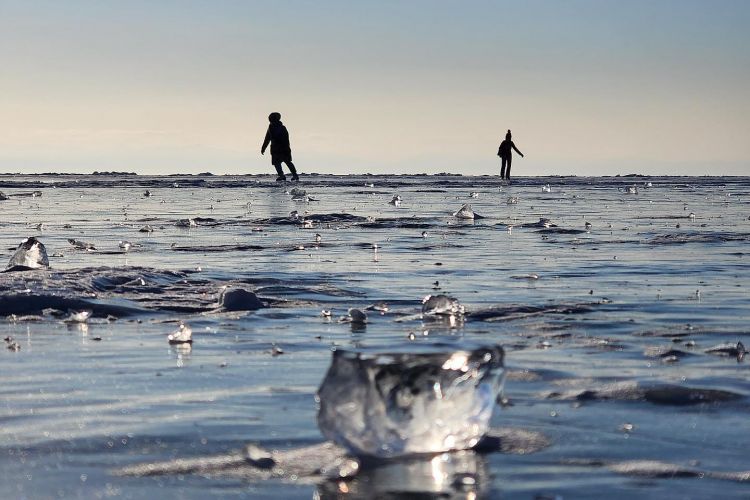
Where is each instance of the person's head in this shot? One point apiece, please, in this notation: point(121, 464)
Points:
point(274, 117)
point(508, 136)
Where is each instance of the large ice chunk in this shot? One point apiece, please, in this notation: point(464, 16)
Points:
point(420, 399)
point(30, 254)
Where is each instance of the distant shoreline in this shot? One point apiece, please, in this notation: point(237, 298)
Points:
point(317, 174)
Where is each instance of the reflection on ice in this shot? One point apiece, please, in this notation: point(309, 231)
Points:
point(427, 399)
point(461, 474)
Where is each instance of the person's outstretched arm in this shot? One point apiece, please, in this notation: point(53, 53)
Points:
point(267, 140)
point(517, 151)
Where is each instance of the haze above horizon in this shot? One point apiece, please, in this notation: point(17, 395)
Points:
point(588, 87)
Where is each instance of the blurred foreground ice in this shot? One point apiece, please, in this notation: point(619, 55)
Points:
point(425, 399)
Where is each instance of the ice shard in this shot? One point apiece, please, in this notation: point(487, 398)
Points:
point(431, 398)
point(30, 254)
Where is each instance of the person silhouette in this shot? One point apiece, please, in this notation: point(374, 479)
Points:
point(504, 152)
point(281, 152)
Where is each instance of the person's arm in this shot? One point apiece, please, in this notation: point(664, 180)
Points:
point(517, 151)
point(266, 141)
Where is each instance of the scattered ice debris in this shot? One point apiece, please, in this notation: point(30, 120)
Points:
point(30, 254)
point(355, 317)
point(396, 200)
point(81, 245)
point(239, 299)
point(531, 276)
point(146, 229)
point(11, 344)
point(427, 399)
point(512, 200)
point(735, 350)
point(186, 223)
point(465, 212)
point(79, 316)
point(441, 305)
point(546, 188)
point(298, 194)
point(183, 335)
point(380, 307)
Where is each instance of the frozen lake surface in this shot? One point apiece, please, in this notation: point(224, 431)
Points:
point(618, 334)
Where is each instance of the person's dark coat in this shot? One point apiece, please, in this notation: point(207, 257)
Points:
point(278, 137)
point(504, 151)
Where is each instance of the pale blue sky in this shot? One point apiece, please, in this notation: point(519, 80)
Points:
point(588, 87)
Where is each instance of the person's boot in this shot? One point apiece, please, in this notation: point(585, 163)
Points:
point(280, 173)
point(293, 170)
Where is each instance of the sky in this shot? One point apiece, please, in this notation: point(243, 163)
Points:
point(595, 87)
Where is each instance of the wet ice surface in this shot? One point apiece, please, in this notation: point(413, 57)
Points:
point(618, 337)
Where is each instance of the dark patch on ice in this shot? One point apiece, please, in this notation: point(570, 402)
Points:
point(518, 311)
point(216, 248)
point(656, 393)
point(400, 222)
point(707, 237)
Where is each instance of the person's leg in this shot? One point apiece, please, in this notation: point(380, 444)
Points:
point(293, 170)
point(502, 169)
point(507, 171)
point(279, 171)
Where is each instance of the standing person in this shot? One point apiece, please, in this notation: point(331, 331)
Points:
point(504, 152)
point(281, 151)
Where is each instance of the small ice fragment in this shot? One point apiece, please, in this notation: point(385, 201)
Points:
point(239, 299)
point(357, 317)
point(441, 305)
point(512, 200)
point(81, 245)
point(465, 212)
point(146, 229)
point(546, 188)
point(632, 189)
point(318, 237)
point(307, 224)
point(30, 254)
point(396, 200)
point(380, 307)
point(186, 223)
point(147, 193)
point(587, 225)
point(183, 335)
point(326, 313)
point(125, 245)
point(79, 316)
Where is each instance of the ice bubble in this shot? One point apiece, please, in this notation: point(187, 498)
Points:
point(428, 399)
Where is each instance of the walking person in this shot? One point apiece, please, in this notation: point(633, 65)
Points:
point(504, 152)
point(281, 151)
